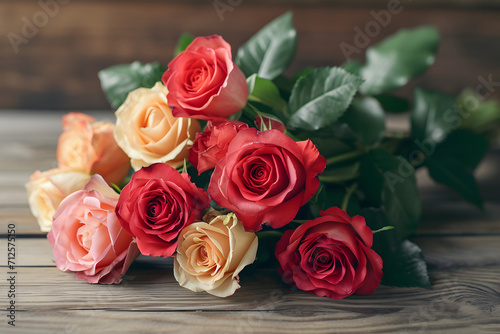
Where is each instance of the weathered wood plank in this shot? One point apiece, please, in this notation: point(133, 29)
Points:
point(465, 272)
point(107, 321)
point(46, 289)
point(460, 299)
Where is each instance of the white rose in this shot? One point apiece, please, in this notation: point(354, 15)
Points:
point(46, 191)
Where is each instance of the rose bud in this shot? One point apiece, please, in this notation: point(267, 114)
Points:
point(203, 82)
point(330, 256)
point(267, 123)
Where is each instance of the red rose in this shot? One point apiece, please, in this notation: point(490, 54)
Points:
point(266, 177)
point(204, 82)
point(330, 256)
point(211, 145)
point(156, 205)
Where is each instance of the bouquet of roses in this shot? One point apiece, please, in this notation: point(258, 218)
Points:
point(235, 163)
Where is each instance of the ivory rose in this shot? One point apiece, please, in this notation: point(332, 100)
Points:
point(211, 254)
point(330, 256)
point(148, 132)
point(87, 238)
point(204, 82)
point(47, 189)
point(90, 146)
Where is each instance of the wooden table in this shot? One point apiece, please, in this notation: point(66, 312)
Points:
point(461, 244)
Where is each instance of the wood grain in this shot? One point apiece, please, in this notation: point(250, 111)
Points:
point(461, 245)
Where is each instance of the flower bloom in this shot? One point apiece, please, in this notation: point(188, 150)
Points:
point(89, 146)
point(203, 82)
point(330, 256)
point(266, 177)
point(211, 254)
point(87, 238)
point(156, 205)
point(46, 191)
point(148, 132)
point(211, 145)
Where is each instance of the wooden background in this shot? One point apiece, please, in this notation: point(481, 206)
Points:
point(56, 66)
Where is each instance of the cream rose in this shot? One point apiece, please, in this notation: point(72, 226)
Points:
point(211, 254)
point(148, 132)
point(46, 191)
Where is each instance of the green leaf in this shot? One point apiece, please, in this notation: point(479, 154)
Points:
point(403, 262)
point(352, 66)
point(329, 146)
point(202, 180)
point(265, 252)
point(434, 115)
point(406, 267)
point(301, 74)
point(400, 57)
point(446, 170)
point(270, 50)
point(265, 91)
point(390, 182)
point(366, 118)
point(328, 196)
point(183, 43)
point(481, 116)
point(340, 174)
point(320, 98)
point(454, 160)
point(392, 103)
point(119, 80)
point(464, 145)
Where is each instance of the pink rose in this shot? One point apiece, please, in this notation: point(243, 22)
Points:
point(266, 177)
point(203, 81)
point(330, 256)
point(87, 238)
point(211, 145)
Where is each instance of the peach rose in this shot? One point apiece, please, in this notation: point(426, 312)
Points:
point(87, 238)
point(211, 255)
point(148, 132)
point(90, 146)
point(46, 190)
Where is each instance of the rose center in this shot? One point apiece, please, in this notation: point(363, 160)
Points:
point(86, 232)
point(198, 75)
point(155, 207)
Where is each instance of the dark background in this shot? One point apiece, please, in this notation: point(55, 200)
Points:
point(57, 63)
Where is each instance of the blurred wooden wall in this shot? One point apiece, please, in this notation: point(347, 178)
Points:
point(55, 67)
